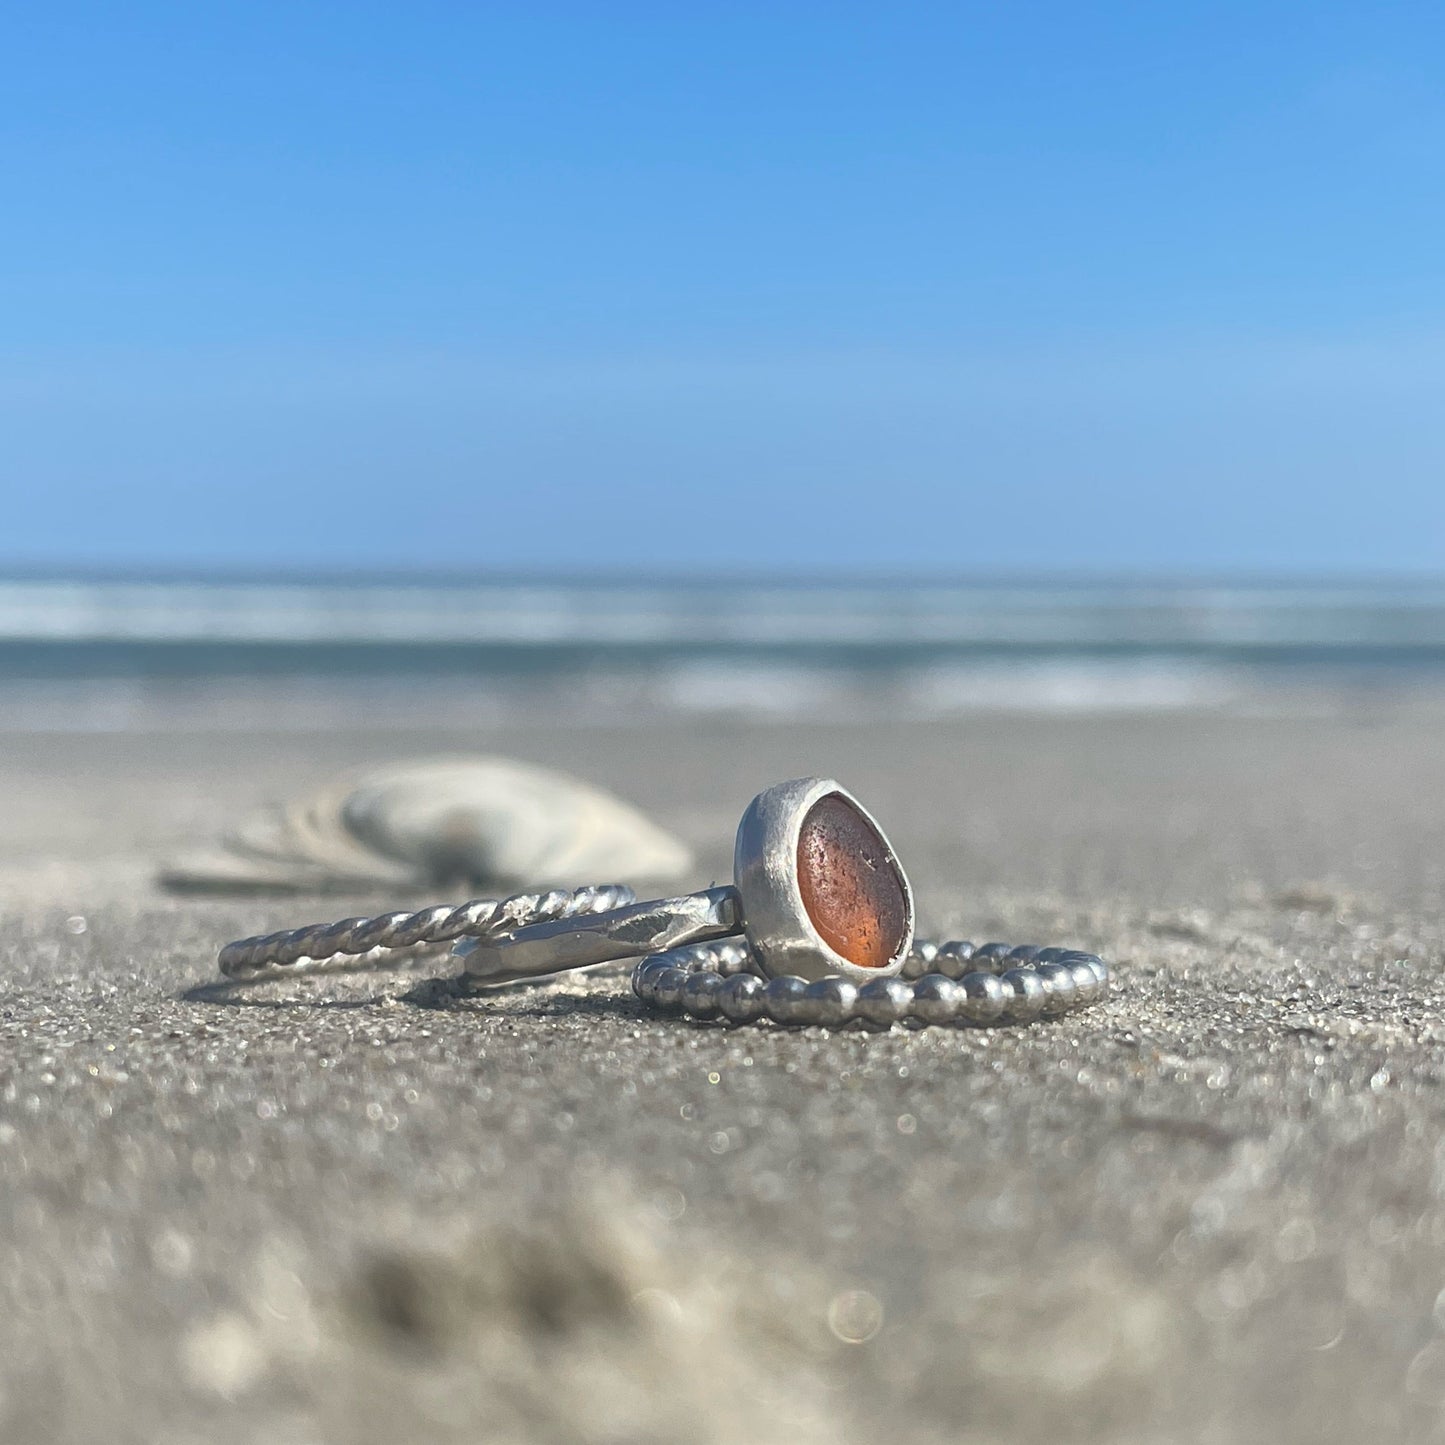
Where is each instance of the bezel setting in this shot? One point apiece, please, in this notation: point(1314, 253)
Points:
point(784, 939)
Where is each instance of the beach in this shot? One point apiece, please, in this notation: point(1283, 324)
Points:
point(368, 1207)
point(955, 492)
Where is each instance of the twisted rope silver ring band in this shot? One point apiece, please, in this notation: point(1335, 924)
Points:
point(817, 929)
point(388, 937)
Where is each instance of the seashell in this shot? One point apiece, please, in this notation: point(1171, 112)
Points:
point(481, 822)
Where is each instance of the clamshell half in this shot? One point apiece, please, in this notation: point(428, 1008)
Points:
point(476, 822)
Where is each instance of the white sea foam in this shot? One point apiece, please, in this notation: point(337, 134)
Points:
point(725, 613)
point(1071, 686)
point(741, 689)
point(755, 689)
point(106, 655)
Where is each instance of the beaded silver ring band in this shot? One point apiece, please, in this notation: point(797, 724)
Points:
point(816, 929)
point(949, 983)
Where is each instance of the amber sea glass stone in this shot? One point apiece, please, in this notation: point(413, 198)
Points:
point(850, 886)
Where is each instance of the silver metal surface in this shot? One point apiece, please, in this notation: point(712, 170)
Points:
point(688, 980)
point(1063, 990)
point(1027, 995)
point(700, 993)
point(936, 999)
point(785, 1001)
point(765, 870)
point(884, 1002)
point(388, 937)
point(984, 997)
point(922, 958)
point(832, 1000)
point(741, 999)
point(574, 942)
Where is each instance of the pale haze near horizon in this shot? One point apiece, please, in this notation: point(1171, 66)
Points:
point(844, 288)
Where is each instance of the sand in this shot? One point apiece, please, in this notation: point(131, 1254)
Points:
point(369, 1208)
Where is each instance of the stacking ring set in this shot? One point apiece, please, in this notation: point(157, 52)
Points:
point(816, 929)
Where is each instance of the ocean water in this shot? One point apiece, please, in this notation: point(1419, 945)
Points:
point(135, 654)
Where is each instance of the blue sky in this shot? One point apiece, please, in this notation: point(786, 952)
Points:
point(965, 287)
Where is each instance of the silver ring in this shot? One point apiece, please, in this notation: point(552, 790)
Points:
point(818, 892)
point(817, 927)
point(392, 937)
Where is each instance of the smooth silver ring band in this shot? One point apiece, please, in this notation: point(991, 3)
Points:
point(637, 930)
